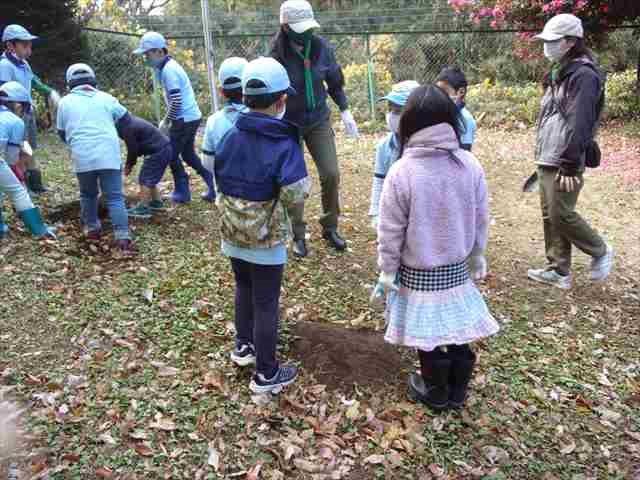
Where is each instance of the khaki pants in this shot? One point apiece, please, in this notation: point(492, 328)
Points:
point(563, 226)
point(321, 142)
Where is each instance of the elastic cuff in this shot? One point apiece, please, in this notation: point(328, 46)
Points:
point(122, 235)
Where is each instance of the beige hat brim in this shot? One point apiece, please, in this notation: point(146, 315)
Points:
point(548, 37)
point(301, 27)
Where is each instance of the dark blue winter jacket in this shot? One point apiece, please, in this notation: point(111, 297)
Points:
point(257, 156)
point(327, 78)
point(141, 137)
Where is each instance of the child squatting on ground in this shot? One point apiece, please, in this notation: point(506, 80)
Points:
point(86, 122)
point(260, 175)
point(14, 102)
point(14, 66)
point(182, 119)
point(453, 81)
point(432, 236)
point(218, 124)
point(144, 139)
point(388, 149)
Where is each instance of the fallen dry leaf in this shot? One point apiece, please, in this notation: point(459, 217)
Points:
point(104, 472)
point(374, 459)
point(143, 450)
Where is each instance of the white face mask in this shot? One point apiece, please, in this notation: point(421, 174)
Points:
point(280, 115)
point(554, 51)
point(393, 122)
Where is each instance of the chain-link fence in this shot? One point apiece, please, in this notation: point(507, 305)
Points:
point(371, 62)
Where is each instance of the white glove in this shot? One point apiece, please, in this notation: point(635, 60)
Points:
point(350, 126)
point(374, 222)
point(386, 283)
point(165, 125)
point(26, 148)
point(477, 266)
point(54, 100)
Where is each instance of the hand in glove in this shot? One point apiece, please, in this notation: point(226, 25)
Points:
point(350, 126)
point(386, 284)
point(54, 101)
point(477, 266)
point(165, 125)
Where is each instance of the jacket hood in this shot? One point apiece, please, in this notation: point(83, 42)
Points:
point(266, 125)
point(437, 137)
point(574, 65)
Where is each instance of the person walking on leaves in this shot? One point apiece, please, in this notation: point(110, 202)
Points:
point(15, 67)
point(312, 67)
point(567, 123)
point(183, 116)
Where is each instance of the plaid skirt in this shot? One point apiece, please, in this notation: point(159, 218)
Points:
point(437, 307)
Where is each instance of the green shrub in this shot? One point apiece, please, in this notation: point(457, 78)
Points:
point(499, 104)
point(623, 101)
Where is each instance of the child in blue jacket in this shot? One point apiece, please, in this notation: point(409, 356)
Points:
point(453, 81)
point(145, 140)
point(260, 174)
point(86, 122)
point(183, 116)
point(14, 101)
point(218, 124)
point(388, 149)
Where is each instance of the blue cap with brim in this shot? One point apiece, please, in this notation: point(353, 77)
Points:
point(270, 72)
point(400, 92)
point(17, 32)
point(232, 67)
point(14, 92)
point(150, 41)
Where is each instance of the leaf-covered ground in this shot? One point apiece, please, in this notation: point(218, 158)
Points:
point(122, 365)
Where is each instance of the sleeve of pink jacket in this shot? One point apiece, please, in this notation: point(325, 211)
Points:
point(482, 213)
point(392, 227)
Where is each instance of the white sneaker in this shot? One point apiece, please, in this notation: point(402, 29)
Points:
point(601, 267)
point(550, 277)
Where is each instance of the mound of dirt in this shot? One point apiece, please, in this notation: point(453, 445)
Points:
point(339, 357)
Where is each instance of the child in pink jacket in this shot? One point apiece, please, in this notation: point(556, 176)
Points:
point(432, 236)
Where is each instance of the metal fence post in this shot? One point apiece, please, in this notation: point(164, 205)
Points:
point(209, 54)
point(370, 79)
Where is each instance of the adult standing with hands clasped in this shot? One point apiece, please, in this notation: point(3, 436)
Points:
point(314, 72)
point(567, 123)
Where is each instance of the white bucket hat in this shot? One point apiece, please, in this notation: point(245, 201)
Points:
point(560, 26)
point(298, 14)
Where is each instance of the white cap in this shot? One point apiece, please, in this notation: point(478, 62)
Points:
point(560, 26)
point(298, 14)
point(270, 72)
point(79, 72)
point(149, 41)
point(232, 68)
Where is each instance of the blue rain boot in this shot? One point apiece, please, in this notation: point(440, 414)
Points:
point(182, 193)
point(210, 196)
point(4, 228)
point(33, 221)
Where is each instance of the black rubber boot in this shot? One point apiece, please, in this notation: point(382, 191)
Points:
point(462, 362)
point(300, 248)
point(432, 386)
point(335, 240)
point(34, 181)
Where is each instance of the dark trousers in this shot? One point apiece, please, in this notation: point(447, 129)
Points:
point(563, 226)
point(183, 141)
point(257, 306)
point(321, 142)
